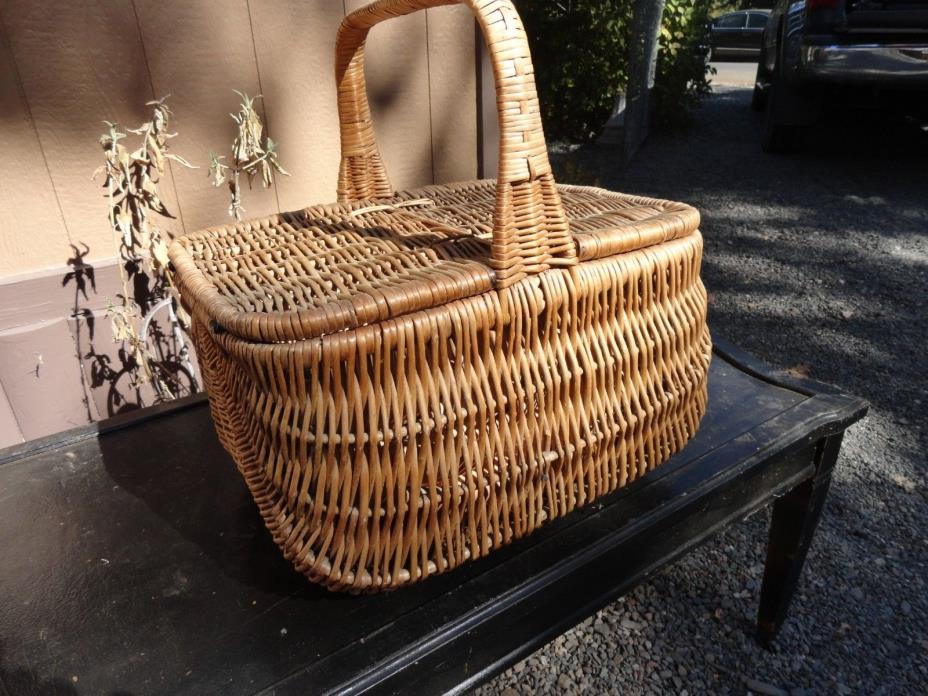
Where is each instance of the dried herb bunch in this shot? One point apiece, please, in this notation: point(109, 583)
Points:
point(131, 183)
point(249, 156)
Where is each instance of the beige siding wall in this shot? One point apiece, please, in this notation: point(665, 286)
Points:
point(66, 65)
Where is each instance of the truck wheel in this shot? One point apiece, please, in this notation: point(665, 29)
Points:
point(777, 137)
point(761, 87)
point(780, 135)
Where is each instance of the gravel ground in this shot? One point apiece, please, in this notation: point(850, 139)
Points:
point(817, 263)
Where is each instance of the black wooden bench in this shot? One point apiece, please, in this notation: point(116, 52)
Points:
point(134, 561)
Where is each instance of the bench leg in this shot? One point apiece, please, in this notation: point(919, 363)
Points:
point(795, 517)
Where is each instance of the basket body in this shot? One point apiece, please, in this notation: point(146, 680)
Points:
point(385, 453)
point(411, 380)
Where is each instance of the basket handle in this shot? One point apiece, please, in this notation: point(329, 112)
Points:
point(530, 229)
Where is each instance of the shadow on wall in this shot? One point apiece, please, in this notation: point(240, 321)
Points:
point(112, 376)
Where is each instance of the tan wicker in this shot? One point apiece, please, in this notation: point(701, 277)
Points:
point(408, 380)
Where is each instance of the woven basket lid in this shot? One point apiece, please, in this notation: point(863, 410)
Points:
point(331, 268)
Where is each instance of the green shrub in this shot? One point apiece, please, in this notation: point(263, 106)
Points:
point(580, 50)
point(682, 79)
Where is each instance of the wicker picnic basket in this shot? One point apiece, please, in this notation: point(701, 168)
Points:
point(408, 380)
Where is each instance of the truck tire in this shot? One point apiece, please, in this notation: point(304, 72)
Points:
point(786, 110)
point(777, 136)
point(759, 96)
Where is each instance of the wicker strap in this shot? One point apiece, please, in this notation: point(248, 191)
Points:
point(530, 230)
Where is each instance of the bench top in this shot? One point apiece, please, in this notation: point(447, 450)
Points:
point(135, 560)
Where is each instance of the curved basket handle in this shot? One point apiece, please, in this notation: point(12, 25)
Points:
point(530, 230)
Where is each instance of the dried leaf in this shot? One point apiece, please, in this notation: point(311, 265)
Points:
point(159, 252)
point(180, 160)
point(183, 316)
point(124, 227)
point(217, 170)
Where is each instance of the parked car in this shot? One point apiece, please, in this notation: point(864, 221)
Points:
point(817, 48)
point(737, 34)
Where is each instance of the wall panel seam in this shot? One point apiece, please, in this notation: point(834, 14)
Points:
point(151, 84)
point(428, 72)
point(478, 65)
point(267, 119)
point(21, 88)
point(5, 397)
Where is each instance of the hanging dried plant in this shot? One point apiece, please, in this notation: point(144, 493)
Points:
point(249, 156)
point(131, 181)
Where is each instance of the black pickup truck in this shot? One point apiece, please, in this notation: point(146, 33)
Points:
point(815, 49)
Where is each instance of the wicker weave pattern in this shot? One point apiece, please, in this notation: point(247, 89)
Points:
point(385, 454)
point(408, 380)
point(332, 267)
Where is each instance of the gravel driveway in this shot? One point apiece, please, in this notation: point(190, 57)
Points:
point(819, 263)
